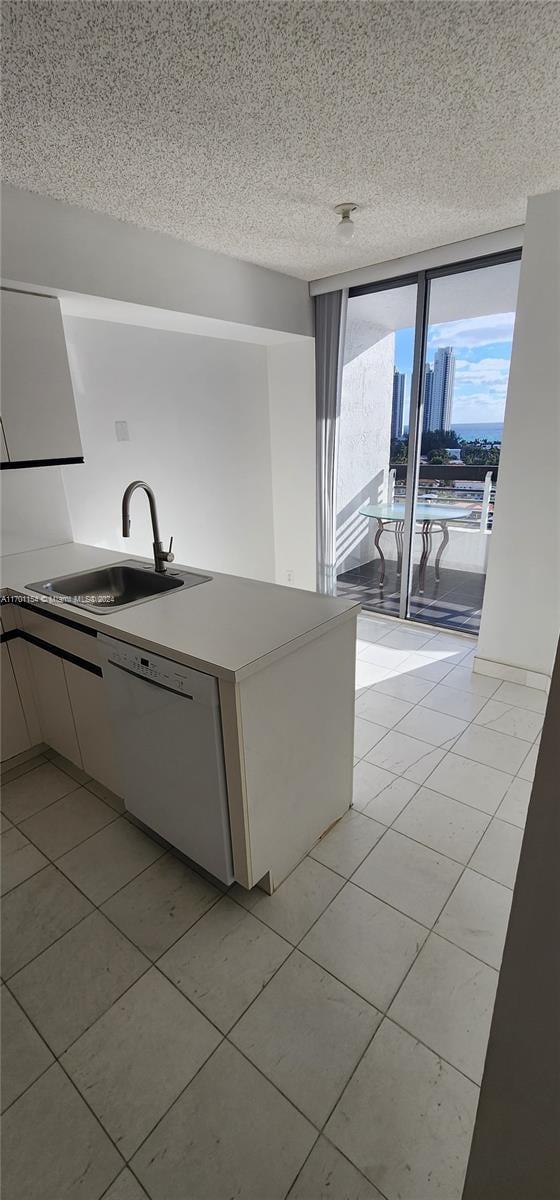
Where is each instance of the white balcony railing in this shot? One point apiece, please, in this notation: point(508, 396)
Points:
point(475, 495)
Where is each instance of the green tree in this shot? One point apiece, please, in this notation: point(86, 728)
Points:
point(438, 457)
point(439, 439)
point(399, 452)
point(480, 453)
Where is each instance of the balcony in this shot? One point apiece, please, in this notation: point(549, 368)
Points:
point(454, 600)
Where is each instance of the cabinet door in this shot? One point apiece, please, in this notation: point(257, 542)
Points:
point(93, 725)
point(38, 407)
point(15, 734)
point(4, 456)
point(53, 703)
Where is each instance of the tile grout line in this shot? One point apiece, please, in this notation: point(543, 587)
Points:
point(150, 964)
point(59, 1056)
point(433, 929)
point(53, 861)
point(445, 938)
point(377, 1008)
point(375, 615)
point(7, 978)
point(98, 908)
point(450, 750)
point(23, 769)
point(41, 1073)
point(251, 1063)
point(346, 879)
point(294, 947)
point(126, 1167)
point(426, 845)
point(286, 1195)
point(143, 1191)
point(95, 907)
point(323, 1135)
point(28, 817)
point(226, 1037)
point(58, 1063)
point(349, 879)
point(31, 754)
point(32, 874)
point(385, 1011)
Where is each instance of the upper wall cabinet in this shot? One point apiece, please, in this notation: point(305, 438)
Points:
point(38, 409)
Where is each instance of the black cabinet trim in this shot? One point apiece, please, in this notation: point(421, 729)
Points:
point(56, 650)
point(40, 462)
point(60, 653)
point(44, 611)
point(8, 636)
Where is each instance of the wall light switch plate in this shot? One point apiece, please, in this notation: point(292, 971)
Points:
point(121, 431)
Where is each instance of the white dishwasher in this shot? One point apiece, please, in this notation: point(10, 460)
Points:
point(168, 738)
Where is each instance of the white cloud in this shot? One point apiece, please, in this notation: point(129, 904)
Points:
point(480, 390)
point(480, 407)
point(492, 372)
point(472, 331)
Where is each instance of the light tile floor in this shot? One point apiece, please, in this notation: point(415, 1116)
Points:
point(164, 1039)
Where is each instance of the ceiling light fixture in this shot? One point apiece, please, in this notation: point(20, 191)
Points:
point(345, 228)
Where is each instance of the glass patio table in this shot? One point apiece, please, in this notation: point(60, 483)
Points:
point(430, 517)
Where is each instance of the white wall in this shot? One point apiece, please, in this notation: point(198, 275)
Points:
point(291, 386)
point(62, 247)
point(34, 509)
point(197, 411)
point(364, 438)
point(521, 613)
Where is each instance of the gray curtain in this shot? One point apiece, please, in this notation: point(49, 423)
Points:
point(330, 326)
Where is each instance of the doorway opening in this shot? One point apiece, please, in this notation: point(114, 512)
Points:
point(424, 383)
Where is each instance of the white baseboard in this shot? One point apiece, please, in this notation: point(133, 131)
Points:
point(499, 670)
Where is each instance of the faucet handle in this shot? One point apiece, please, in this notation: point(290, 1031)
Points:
point(168, 556)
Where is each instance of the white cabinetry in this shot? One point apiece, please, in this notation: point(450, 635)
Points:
point(70, 696)
point(53, 703)
point(38, 408)
point(88, 701)
point(15, 734)
point(4, 456)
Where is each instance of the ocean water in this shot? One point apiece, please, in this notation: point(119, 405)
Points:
point(476, 432)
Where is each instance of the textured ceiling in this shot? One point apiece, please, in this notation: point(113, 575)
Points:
point(238, 125)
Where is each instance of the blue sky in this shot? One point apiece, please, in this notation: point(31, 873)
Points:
point(482, 353)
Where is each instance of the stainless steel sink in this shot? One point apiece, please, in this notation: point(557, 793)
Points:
point(116, 586)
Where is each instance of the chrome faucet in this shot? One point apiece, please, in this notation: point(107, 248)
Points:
point(161, 556)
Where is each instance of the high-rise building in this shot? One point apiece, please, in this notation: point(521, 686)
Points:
point(397, 411)
point(428, 397)
point(442, 388)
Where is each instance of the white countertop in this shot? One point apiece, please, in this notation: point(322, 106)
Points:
point(230, 627)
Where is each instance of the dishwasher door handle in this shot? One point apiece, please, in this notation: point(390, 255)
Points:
point(152, 682)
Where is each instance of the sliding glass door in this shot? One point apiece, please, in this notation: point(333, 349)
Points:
point(422, 410)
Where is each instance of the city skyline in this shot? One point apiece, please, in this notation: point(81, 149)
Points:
point(397, 409)
point(438, 394)
point(438, 390)
point(482, 348)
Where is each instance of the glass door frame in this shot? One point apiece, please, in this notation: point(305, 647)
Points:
point(422, 280)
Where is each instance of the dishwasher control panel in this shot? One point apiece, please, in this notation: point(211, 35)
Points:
point(148, 668)
point(196, 685)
